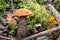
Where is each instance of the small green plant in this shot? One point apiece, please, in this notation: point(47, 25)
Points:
point(56, 1)
point(57, 7)
point(12, 32)
point(12, 27)
point(3, 4)
point(41, 1)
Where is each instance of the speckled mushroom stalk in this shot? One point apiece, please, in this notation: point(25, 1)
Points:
point(22, 27)
point(22, 24)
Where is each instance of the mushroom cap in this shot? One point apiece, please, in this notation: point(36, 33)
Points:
point(23, 12)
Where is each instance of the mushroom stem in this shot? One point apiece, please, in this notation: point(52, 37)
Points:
point(22, 28)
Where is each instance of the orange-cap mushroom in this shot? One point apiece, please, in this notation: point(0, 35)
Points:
point(22, 24)
point(23, 12)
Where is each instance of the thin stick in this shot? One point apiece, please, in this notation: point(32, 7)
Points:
point(43, 33)
point(5, 37)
